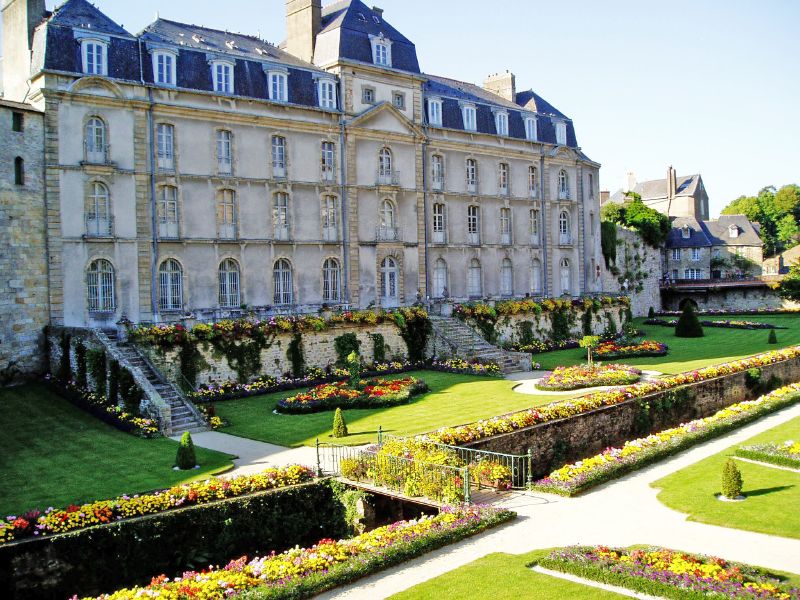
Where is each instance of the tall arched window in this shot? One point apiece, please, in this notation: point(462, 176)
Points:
point(100, 285)
point(331, 277)
point(503, 177)
point(229, 290)
point(472, 175)
point(506, 277)
point(280, 216)
point(330, 218)
point(564, 236)
point(439, 231)
point(278, 156)
point(385, 174)
point(388, 227)
point(533, 181)
point(226, 214)
point(440, 279)
point(95, 140)
point(170, 285)
point(389, 281)
point(536, 277)
point(566, 276)
point(474, 279)
point(563, 185)
point(98, 210)
point(168, 212)
point(282, 277)
point(224, 152)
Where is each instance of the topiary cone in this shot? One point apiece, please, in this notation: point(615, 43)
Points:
point(688, 325)
point(772, 339)
point(731, 480)
point(339, 426)
point(186, 458)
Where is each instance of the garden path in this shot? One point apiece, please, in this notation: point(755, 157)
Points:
point(253, 456)
point(527, 384)
point(619, 513)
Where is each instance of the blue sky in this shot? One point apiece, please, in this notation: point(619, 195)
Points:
point(707, 86)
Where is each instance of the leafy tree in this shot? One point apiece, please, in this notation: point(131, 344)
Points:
point(590, 342)
point(788, 230)
point(731, 480)
point(790, 285)
point(778, 213)
point(186, 457)
point(653, 226)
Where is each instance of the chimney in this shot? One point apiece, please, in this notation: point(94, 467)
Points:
point(604, 196)
point(672, 184)
point(378, 11)
point(502, 84)
point(303, 23)
point(20, 18)
point(630, 182)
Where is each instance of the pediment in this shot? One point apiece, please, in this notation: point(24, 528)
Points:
point(97, 86)
point(386, 118)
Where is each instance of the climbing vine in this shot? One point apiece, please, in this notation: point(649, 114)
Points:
point(190, 361)
point(64, 372)
point(96, 365)
point(345, 344)
point(295, 355)
point(525, 332)
point(562, 320)
point(80, 365)
point(415, 329)
point(113, 382)
point(244, 355)
point(378, 348)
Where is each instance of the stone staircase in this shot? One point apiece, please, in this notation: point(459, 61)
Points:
point(184, 416)
point(465, 342)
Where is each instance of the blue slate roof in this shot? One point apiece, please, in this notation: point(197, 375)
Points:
point(453, 92)
point(83, 15)
point(699, 236)
point(353, 22)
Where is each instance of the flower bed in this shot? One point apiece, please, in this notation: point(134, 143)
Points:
point(480, 310)
point(720, 324)
point(304, 572)
point(786, 454)
point(491, 473)
point(465, 367)
point(666, 573)
point(721, 312)
point(562, 409)
point(100, 407)
point(374, 393)
point(613, 350)
point(583, 376)
point(53, 521)
point(578, 477)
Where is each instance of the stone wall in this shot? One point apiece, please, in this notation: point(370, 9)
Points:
point(318, 350)
point(640, 265)
point(560, 442)
point(508, 328)
point(740, 298)
point(23, 264)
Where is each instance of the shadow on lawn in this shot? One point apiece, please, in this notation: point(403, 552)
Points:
point(765, 491)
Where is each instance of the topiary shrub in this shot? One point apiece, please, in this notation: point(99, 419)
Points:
point(130, 393)
point(64, 372)
point(186, 458)
point(772, 339)
point(96, 365)
point(354, 366)
point(344, 345)
point(339, 426)
point(731, 480)
point(113, 382)
point(80, 365)
point(651, 313)
point(688, 325)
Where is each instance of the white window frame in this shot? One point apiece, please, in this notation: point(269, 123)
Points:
point(564, 228)
point(472, 175)
point(170, 286)
point(283, 282)
point(536, 277)
point(504, 179)
point(440, 278)
point(563, 185)
point(676, 254)
point(224, 145)
point(473, 224)
point(328, 161)
point(278, 155)
point(692, 273)
point(505, 226)
point(534, 221)
point(96, 140)
point(281, 216)
point(533, 181)
point(326, 93)
point(531, 130)
point(222, 75)
point(501, 123)
point(98, 213)
point(437, 172)
point(469, 115)
point(506, 277)
point(381, 50)
point(331, 280)
point(695, 254)
point(168, 213)
point(390, 282)
point(330, 218)
point(91, 49)
point(226, 204)
point(399, 100)
point(100, 282)
point(165, 146)
point(566, 276)
point(435, 112)
point(166, 74)
point(561, 133)
point(229, 275)
point(439, 213)
point(475, 279)
point(278, 85)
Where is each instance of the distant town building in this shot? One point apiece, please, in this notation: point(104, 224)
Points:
point(674, 196)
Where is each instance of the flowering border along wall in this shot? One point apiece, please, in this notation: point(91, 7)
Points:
point(576, 478)
point(34, 523)
point(786, 454)
point(304, 572)
point(563, 409)
point(665, 573)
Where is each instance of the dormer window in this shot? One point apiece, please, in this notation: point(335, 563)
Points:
point(94, 54)
point(561, 134)
point(470, 117)
point(381, 50)
point(530, 129)
point(733, 231)
point(164, 62)
point(326, 91)
point(686, 232)
point(222, 73)
point(435, 112)
point(278, 88)
point(501, 123)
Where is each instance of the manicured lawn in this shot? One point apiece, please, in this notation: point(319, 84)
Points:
point(52, 454)
point(718, 345)
point(772, 495)
point(502, 577)
point(453, 400)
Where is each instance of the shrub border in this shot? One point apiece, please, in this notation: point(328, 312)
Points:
point(766, 457)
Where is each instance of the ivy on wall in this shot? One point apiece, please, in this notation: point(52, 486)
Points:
point(415, 329)
point(80, 365)
point(378, 347)
point(295, 355)
point(64, 372)
point(96, 366)
point(344, 345)
point(244, 355)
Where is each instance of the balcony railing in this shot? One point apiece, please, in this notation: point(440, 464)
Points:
point(564, 239)
point(99, 226)
point(96, 156)
point(474, 238)
point(387, 234)
point(388, 177)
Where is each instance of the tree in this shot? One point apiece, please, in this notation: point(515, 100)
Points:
point(790, 285)
point(653, 226)
point(339, 426)
point(590, 342)
point(688, 325)
point(778, 213)
point(186, 458)
point(731, 480)
point(354, 366)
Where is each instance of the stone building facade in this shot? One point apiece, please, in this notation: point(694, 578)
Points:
point(23, 268)
point(197, 171)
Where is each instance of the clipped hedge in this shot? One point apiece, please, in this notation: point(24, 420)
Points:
point(94, 560)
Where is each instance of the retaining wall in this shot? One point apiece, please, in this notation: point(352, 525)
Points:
point(567, 440)
point(508, 326)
